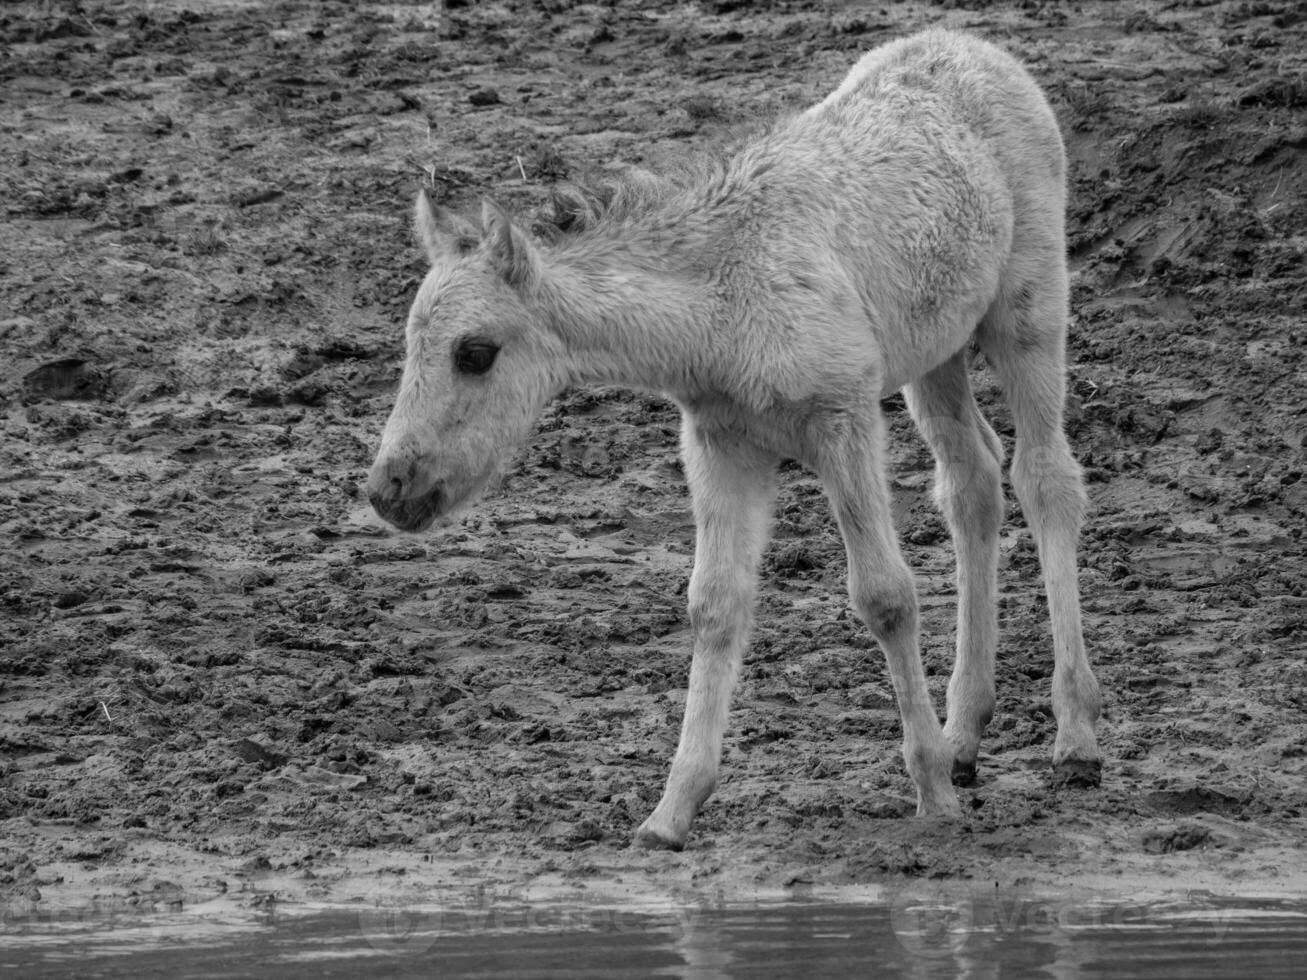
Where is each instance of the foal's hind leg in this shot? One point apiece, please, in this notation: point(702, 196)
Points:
point(733, 486)
point(969, 490)
point(1023, 335)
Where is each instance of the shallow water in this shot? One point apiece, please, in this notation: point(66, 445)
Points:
point(922, 931)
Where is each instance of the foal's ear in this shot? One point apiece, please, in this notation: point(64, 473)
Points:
point(440, 231)
point(509, 250)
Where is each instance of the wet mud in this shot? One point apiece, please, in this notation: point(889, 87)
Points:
point(221, 675)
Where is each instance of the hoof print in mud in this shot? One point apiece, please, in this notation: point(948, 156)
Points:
point(68, 379)
point(1077, 774)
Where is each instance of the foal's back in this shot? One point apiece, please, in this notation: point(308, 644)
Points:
point(980, 85)
point(908, 192)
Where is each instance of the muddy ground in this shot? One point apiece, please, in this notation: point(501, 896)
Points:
point(221, 675)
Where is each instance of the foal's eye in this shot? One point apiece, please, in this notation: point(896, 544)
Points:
point(475, 356)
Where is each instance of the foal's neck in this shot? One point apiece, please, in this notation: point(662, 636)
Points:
point(635, 312)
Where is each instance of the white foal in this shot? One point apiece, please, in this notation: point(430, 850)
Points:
point(778, 295)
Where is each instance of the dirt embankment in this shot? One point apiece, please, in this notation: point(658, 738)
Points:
point(218, 673)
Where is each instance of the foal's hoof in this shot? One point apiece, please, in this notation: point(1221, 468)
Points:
point(964, 773)
point(651, 839)
point(1077, 773)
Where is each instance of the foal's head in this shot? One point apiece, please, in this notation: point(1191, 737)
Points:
point(480, 367)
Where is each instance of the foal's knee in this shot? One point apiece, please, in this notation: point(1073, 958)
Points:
point(886, 602)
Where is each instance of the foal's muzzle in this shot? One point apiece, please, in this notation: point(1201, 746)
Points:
point(401, 494)
point(412, 514)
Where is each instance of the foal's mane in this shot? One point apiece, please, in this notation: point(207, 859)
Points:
point(586, 205)
point(589, 204)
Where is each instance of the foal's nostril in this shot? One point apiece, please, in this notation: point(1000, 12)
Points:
point(396, 487)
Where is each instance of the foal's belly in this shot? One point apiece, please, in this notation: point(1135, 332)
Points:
point(915, 349)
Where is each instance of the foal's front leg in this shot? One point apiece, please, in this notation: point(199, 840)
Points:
point(732, 485)
point(884, 594)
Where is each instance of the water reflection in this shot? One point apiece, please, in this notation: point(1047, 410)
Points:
point(922, 931)
point(703, 948)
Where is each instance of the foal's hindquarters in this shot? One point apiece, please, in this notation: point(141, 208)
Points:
point(1023, 337)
